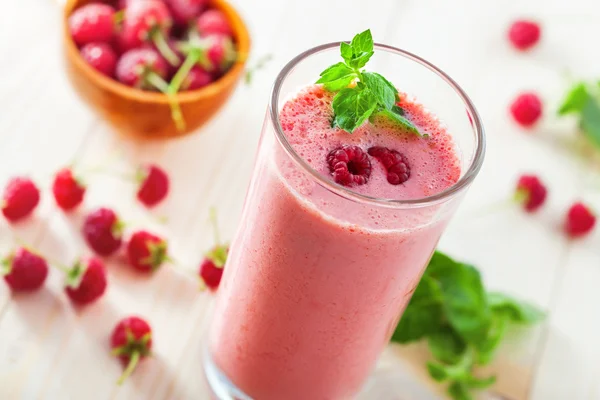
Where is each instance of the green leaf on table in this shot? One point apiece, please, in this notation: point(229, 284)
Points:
point(465, 302)
point(473, 382)
point(446, 345)
point(575, 100)
point(487, 349)
point(423, 315)
point(590, 120)
point(514, 310)
point(352, 107)
point(418, 322)
point(459, 391)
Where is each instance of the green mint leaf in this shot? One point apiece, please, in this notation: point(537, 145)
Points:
point(336, 72)
point(362, 49)
point(358, 62)
point(362, 43)
point(423, 315)
point(514, 310)
point(384, 92)
point(459, 391)
point(473, 382)
point(465, 300)
point(346, 51)
point(446, 345)
point(590, 121)
point(400, 121)
point(398, 110)
point(438, 372)
point(576, 100)
point(487, 349)
point(352, 107)
point(418, 322)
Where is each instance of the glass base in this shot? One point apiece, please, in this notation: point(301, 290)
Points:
point(220, 386)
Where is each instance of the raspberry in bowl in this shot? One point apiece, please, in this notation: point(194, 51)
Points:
point(149, 68)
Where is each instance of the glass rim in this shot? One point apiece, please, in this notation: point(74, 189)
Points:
point(348, 193)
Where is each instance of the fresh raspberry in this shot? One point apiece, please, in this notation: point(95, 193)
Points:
point(93, 22)
point(530, 192)
point(68, 191)
point(146, 251)
point(220, 52)
point(211, 268)
point(100, 56)
point(23, 270)
point(213, 22)
point(20, 198)
point(349, 165)
point(197, 77)
point(184, 11)
point(154, 185)
point(86, 281)
point(135, 65)
point(526, 109)
point(131, 340)
point(103, 231)
point(396, 164)
point(524, 34)
point(580, 220)
point(149, 21)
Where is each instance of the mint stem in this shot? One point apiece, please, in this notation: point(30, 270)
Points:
point(133, 362)
point(164, 48)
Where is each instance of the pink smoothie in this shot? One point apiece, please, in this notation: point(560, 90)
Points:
point(316, 283)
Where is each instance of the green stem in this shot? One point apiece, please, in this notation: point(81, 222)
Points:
point(155, 80)
point(164, 48)
point(133, 362)
point(183, 71)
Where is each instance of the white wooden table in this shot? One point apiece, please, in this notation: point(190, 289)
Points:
point(49, 350)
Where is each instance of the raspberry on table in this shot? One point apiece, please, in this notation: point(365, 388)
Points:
point(526, 109)
point(524, 34)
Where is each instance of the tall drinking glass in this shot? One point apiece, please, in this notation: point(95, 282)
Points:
point(318, 275)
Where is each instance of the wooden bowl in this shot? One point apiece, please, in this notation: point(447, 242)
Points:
point(146, 114)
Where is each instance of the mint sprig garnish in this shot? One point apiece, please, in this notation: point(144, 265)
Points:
point(361, 95)
point(462, 322)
